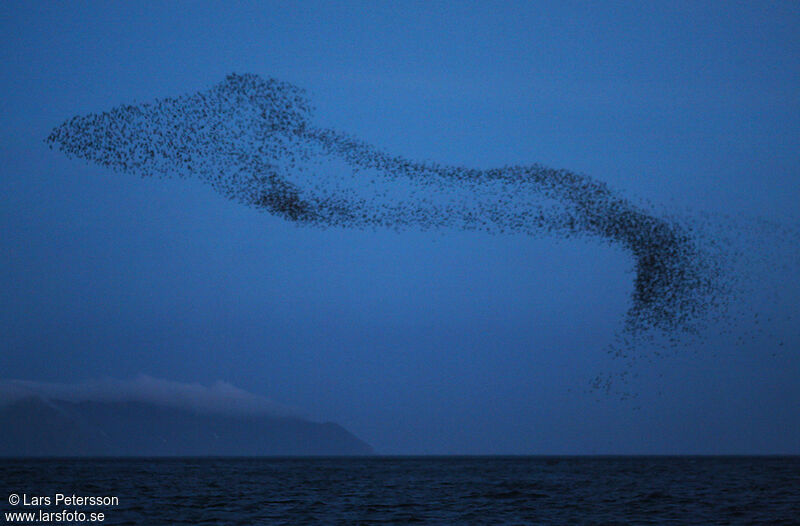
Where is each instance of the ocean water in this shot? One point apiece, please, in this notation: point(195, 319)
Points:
point(426, 490)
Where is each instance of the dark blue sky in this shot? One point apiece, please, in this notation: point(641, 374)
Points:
point(418, 342)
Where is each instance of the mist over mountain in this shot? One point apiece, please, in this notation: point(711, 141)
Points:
point(151, 417)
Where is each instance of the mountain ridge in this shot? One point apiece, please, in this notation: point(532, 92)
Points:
point(36, 426)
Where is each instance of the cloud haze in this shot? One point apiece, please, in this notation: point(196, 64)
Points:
point(217, 398)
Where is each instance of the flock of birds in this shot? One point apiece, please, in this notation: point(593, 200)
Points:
point(253, 140)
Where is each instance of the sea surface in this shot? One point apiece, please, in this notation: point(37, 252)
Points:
point(426, 490)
